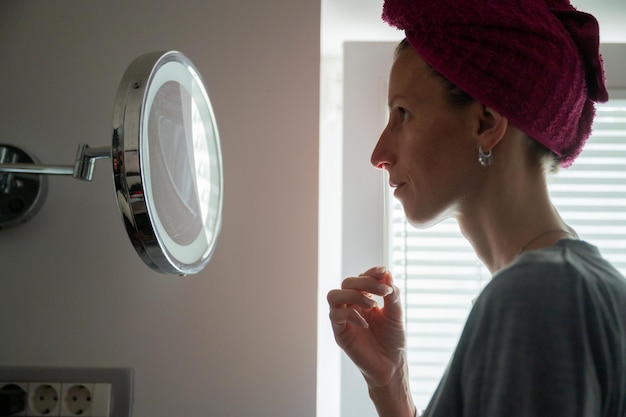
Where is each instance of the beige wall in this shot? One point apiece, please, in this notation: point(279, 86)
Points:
point(238, 339)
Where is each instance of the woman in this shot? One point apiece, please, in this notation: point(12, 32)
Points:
point(484, 98)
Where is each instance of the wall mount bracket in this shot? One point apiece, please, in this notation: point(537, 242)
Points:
point(23, 185)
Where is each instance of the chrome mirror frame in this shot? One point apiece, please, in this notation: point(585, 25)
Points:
point(132, 173)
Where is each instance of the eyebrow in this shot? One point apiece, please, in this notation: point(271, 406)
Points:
point(394, 98)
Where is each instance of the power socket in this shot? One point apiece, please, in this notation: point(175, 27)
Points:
point(85, 399)
point(43, 399)
point(16, 398)
point(71, 392)
point(77, 400)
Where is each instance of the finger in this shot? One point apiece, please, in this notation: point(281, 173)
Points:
point(376, 272)
point(381, 274)
point(366, 284)
point(388, 290)
point(393, 303)
point(340, 298)
point(341, 317)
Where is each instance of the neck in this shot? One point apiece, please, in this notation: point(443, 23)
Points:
point(510, 217)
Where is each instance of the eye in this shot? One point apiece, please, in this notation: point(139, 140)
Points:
point(403, 113)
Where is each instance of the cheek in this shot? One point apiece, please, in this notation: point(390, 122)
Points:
point(438, 141)
point(454, 140)
point(441, 161)
point(438, 147)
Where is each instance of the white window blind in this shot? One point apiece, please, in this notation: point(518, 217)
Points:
point(439, 273)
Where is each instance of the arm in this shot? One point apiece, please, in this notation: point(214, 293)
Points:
point(395, 398)
point(374, 338)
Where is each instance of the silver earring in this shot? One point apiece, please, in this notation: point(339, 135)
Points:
point(485, 159)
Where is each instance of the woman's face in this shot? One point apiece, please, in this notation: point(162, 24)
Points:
point(427, 146)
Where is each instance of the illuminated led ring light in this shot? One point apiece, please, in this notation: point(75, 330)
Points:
point(167, 163)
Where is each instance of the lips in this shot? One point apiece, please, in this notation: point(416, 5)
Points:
point(395, 184)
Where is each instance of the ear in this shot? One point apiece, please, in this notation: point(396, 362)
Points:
point(490, 128)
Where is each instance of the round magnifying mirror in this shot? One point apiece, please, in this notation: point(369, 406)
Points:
point(167, 163)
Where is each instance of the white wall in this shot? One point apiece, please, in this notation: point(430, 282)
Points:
point(238, 339)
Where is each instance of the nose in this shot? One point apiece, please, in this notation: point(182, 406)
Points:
point(381, 156)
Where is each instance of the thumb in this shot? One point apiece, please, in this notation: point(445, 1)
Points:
point(393, 302)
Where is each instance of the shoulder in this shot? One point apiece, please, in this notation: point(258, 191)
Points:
point(550, 294)
point(526, 345)
point(552, 276)
point(533, 281)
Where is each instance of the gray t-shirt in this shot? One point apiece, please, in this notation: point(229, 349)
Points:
point(546, 337)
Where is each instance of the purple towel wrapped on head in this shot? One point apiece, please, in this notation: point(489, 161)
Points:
point(537, 62)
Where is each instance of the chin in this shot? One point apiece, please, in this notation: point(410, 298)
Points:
point(425, 221)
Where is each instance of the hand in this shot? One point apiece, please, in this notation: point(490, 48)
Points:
point(373, 337)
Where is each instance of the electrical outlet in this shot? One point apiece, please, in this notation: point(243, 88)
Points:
point(14, 398)
point(85, 399)
point(76, 399)
point(71, 392)
point(43, 399)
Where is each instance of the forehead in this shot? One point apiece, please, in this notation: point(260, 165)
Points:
point(410, 75)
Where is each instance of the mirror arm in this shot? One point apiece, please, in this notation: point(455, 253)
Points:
point(86, 160)
point(82, 169)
